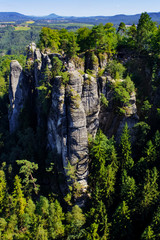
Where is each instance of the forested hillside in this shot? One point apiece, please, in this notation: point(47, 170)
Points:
point(79, 135)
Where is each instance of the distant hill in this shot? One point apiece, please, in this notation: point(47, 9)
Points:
point(12, 16)
point(52, 16)
point(127, 19)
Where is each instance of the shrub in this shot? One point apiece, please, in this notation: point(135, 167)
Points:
point(115, 69)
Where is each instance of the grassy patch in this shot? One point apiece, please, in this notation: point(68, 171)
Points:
point(30, 22)
point(21, 28)
point(6, 22)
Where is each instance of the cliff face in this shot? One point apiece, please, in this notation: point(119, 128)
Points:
point(16, 95)
point(110, 121)
point(75, 109)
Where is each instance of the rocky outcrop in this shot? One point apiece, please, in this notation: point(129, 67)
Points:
point(111, 121)
point(67, 132)
point(16, 95)
point(91, 62)
point(91, 103)
point(75, 109)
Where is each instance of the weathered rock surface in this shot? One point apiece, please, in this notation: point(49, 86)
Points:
point(110, 122)
point(16, 96)
point(76, 109)
point(91, 103)
point(91, 62)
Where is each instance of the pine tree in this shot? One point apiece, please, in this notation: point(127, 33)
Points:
point(150, 152)
point(56, 217)
point(125, 149)
point(97, 219)
point(128, 189)
point(19, 202)
point(3, 189)
point(104, 167)
point(155, 225)
point(30, 219)
point(122, 223)
point(29, 182)
point(150, 191)
point(148, 234)
point(75, 221)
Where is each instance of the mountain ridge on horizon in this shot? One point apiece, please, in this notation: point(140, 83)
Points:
point(115, 19)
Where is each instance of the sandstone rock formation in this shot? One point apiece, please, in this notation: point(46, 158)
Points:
point(16, 96)
point(75, 111)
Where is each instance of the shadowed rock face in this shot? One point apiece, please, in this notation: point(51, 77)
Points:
point(91, 103)
point(75, 110)
point(111, 122)
point(67, 130)
point(15, 95)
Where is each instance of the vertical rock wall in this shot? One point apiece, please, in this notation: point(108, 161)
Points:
point(75, 110)
point(16, 95)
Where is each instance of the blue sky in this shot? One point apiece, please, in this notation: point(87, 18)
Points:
point(79, 7)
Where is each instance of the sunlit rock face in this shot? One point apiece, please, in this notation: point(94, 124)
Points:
point(75, 111)
point(15, 95)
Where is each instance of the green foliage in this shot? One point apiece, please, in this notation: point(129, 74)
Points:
point(111, 39)
point(128, 189)
point(15, 42)
point(75, 220)
point(3, 188)
point(103, 168)
point(128, 85)
point(72, 46)
point(115, 67)
point(122, 220)
point(57, 66)
point(148, 234)
point(56, 216)
point(145, 109)
point(19, 202)
point(145, 31)
point(83, 38)
point(44, 90)
point(141, 130)
point(27, 169)
point(64, 39)
point(65, 77)
point(121, 28)
point(99, 227)
point(74, 186)
point(121, 95)
point(155, 224)
point(103, 39)
point(49, 38)
point(104, 100)
point(125, 149)
point(57, 70)
point(150, 191)
point(5, 71)
point(123, 184)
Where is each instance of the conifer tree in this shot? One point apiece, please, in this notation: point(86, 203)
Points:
point(27, 169)
point(99, 226)
point(104, 167)
point(128, 189)
point(3, 189)
point(19, 202)
point(122, 223)
point(125, 149)
point(155, 225)
point(150, 191)
point(75, 221)
point(148, 234)
point(56, 216)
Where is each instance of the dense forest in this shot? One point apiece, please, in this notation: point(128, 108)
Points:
point(122, 199)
